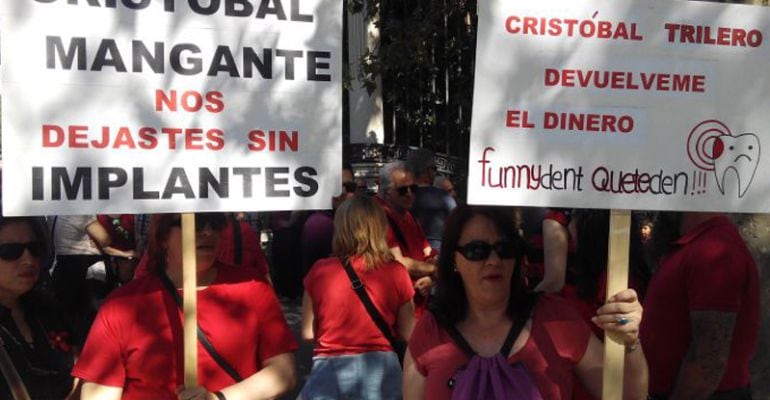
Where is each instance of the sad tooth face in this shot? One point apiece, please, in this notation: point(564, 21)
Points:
point(739, 153)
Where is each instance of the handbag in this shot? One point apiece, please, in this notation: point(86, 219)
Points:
point(169, 286)
point(399, 346)
point(491, 378)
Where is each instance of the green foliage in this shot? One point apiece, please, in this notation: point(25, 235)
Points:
point(425, 61)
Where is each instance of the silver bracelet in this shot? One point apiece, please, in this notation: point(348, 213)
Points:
point(633, 346)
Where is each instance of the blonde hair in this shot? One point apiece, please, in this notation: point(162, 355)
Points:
point(360, 229)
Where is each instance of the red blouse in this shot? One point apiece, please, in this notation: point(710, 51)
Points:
point(557, 342)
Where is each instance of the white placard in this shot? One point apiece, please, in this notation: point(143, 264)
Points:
point(624, 104)
point(141, 106)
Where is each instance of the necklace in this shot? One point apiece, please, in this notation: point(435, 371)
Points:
point(25, 347)
point(119, 229)
point(16, 341)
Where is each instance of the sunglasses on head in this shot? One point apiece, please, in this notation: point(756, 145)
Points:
point(350, 186)
point(14, 251)
point(403, 189)
point(478, 250)
point(214, 220)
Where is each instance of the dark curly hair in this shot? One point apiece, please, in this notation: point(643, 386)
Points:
point(450, 302)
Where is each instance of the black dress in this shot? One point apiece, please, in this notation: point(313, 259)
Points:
point(45, 364)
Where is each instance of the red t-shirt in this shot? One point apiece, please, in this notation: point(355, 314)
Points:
point(558, 340)
point(411, 231)
point(251, 251)
point(415, 245)
point(121, 230)
point(535, 266)
point(341, 323)
point(136, 340)
point(710, 269)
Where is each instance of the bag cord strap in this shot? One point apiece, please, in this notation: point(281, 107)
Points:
point(169, 286)
point(505, 350)
point(15, 383)
point(53, 227)
point(397, 232)
point(459, 340)
point(360, 290)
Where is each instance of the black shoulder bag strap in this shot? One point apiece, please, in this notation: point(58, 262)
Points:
point(15, 384)
point(360, 290)
point(463, 344)
point(169, 286)
point(399, 235)
point(53, 227)
point(52, 250)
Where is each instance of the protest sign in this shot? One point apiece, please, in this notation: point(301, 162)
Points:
point(170, 106)
point(658, 105)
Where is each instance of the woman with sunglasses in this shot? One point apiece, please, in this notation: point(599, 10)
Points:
point(31, 332)
point(134, 349)
point(481, 300)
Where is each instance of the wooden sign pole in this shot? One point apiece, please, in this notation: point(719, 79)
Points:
point(189, 288)
point(617, 280)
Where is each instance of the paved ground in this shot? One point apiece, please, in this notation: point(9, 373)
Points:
point(292, 309)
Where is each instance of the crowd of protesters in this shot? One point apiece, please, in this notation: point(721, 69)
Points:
point(406, 293)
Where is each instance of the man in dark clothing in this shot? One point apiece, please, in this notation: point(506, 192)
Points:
point(431, 204)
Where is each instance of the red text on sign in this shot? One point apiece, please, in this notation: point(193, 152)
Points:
point(145, 138)
point(720, 36)
point(589, 122)
point(272, 140)
point(585, 28)
point(189, 100)
point(518, 119)
point(625, 80)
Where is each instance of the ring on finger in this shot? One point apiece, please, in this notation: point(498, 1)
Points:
point(622, 320)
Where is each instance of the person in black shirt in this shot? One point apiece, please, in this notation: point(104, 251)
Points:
point(33, 338)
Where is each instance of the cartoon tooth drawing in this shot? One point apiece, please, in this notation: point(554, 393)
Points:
point(712, 147)
point(739, 153)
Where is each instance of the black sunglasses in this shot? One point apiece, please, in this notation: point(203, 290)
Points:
point(216, 221)
point(478, 250)
point(350, 186)
point(14, 251)
point(403, 189)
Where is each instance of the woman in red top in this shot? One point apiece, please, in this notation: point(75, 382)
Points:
point(481, 293)
point(134, 349)
point(352, 357)
point(558, 252)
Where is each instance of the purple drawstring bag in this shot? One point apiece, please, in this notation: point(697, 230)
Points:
point(491, 378)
